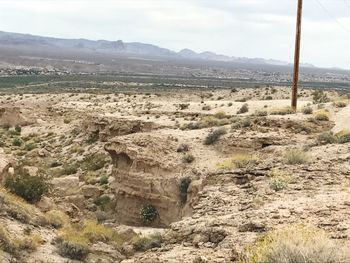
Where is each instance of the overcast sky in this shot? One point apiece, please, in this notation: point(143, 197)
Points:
point(250, 28)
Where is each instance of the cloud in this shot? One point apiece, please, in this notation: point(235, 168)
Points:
point(251, 28)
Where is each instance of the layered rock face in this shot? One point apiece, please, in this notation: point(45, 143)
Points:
point(109, 128)
point(13, 116)
point(146, 171)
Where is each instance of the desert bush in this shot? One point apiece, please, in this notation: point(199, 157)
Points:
point(103, 180)
point(343, 136)
point(327, 138)
point(220, 115)
point(29, 146)
point(188, 158)
point(57, 218)
point(184, 106)
point(18, 129)
point(66, 121)
point(183, 187)
point(183, 148)
point(278, 180)
point(143, 244)
point(92, 138)
point(17, 142)
point(213, 136)
point(322, 115)
point(69, 169)
point(94, 162)
point(148, 213)
point(30, 188)
point(294, 244)
point(307, 110)
point(191, 126)
point(102, 201)
point(74, 247)
point(318, 96)
point(282, 111)
point(340, 103)
point(243, 109)
point(296, 156)
point(261, 113)
point(206, 108)
point(238, 161)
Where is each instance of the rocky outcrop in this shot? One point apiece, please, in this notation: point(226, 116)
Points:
point(13, 116)
point(146, 171)
point(6, 163)
point(108, 128)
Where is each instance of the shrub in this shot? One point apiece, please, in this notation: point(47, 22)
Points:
point(296, 243)
point(18, 129)
point(318, 96)
point(66, 121)
point(220, 115)
point(322, 115)
point(103, 180)
point(17, 142)
point(340, 103)
point(188, 158)
point(143, 244)
point(73, 247)
point(57, 218)
point(92, 138)
point(327, 138)
point(307, 110)
point(243, 109)
point(282, 111)
point(182, 148)
point(69, 169)
point(278, 180)
point(213, 136)
point(29, 146)
point(94, 162)
point(343, 136)
point(184, 106)
point(102, 201)
point(238, 161)
point(148, 213)
point(30, 188)
point(296, 156)
point(183, 187)
point(261, 113)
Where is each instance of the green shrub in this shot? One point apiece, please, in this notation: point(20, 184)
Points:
point(296, 156)
point(213, 136)
point(343, 136)
point(243, 109)
point(69, 169)
point(148, 213)
point(143, 244)
point(183, 187)
point(102, 201)
point(29, 146)
point(92, 138)
point(94, 162)
point(238, 161)
point(30, 188)
point(103, 180)
point(327, 138)
point(307, 110)
point(18, 129)
point(72, 249)
point(188, 158)
point(261, 113)
point(318, 96)
point(17, 142)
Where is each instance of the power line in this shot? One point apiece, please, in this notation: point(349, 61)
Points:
point(332, 16)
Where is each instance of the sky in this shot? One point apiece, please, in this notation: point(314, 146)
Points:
point(241, 28)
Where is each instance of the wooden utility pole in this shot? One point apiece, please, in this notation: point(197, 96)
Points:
point(297, 56)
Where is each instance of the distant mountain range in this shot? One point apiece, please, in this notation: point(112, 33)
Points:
point(26, 41)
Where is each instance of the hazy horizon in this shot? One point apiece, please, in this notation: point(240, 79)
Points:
point(241, 28)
